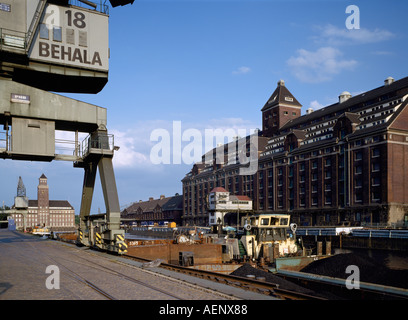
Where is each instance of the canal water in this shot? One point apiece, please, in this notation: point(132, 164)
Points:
point(393, 260)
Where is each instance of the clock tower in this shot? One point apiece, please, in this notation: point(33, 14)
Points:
point(43, 201)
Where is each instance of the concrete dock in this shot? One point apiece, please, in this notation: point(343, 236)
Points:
point(32, 268)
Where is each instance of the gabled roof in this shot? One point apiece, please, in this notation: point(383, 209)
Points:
point(242, 198)
point(299, 134)
point(163, 204)
point(396, 88)
point(218, 189)
point(281, 95)
point(173, 203)
point(43, 176)
point(353, 117)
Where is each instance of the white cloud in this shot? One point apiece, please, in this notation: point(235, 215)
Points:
point(316, 105)
point(127, 155)
point(242, 70)
point(333, 35)
point(174, 138)
point(319, 66)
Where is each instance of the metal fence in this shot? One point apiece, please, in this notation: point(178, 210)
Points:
point(64, 146)
point(99, 6)
point(362, 233)
point(390, 233)
point(316, 232)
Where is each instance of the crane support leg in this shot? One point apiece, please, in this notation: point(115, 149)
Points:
point(101, 231)
point(84, 232)
point(110, 192)
point(113, 238)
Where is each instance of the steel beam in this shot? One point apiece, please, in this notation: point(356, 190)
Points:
point(86, 201)
point(110, 192)
point(19, 100)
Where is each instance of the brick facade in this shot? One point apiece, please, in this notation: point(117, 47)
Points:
point(54, 214)
point(156, 211)
point(346, 163)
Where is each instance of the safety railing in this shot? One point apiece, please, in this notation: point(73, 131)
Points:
point(399, 234)
point(11, 39)
point(99, 142)
point(68, 147)
point(99, 6)
point(4, 142)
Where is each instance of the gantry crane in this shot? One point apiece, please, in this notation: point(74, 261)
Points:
point(49, 46)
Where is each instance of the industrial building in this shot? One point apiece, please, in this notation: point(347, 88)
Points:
point(225, 208)
point(342, 164)
point(154, 211)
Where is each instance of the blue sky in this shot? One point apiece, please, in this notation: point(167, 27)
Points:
point(214, 64)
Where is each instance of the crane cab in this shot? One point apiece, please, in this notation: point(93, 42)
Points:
point(55, 46)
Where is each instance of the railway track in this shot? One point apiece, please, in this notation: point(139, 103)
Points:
point(325, 291)
point(118, 274)
point(109, 278)
point(254, 285)
point(68, 271)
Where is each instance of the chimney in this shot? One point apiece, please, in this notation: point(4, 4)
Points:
point(151, 199)
point(162, 197)
point(388, 81)
point(344, 96)
point(281, 83)
point(309, 110)
point(140, 201)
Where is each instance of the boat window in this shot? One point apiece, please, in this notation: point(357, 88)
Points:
point(254, 221)
point(265, 222)
point(274, 221)
point(284, 221)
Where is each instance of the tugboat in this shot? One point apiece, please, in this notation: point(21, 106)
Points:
point(257, 236)
point(267, 236)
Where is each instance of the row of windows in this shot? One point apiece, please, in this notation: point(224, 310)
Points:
point(358, 198)
point(45, 32)
point(56, 33)
point(358, 170)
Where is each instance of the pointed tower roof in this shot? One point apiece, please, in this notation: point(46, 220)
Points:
point(280, 96)
point(43, 176)
point(21, 190)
